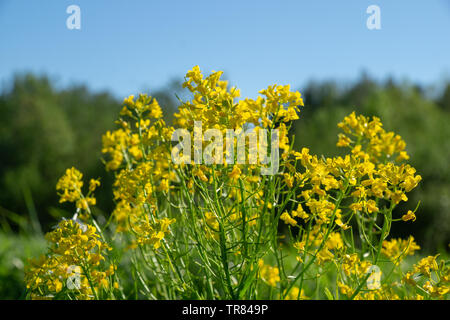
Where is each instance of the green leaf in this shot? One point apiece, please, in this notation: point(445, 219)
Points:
point(329, 294)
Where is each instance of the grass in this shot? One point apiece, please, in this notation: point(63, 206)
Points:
point(15, 249)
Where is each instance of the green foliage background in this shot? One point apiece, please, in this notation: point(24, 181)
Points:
point(45, 129)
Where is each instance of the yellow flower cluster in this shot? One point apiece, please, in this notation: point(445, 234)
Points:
point(70, 185)
point(215, 105)
point(434, 277)
point(380, 145)
point(136, 193)
point(397, 249)
point(269, 274)
point(362, 176)
point(138, 136)
point(296, 294)
point(139, 152)
point(383, 293)
point(152, 232)
point(331, 247)
point(142, 107)
point(70, 189)
point(356, 271)
point(74, 266)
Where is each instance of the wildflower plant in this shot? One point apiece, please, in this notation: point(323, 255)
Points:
point(316, 227)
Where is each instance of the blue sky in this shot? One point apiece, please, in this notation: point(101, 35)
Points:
point(127, 46)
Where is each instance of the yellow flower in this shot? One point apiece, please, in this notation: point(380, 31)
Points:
point(200, 174)
point(93, 184)
point(70, 185)
point(345, 289)
point(334, 241)
point(295, 294)
point(300, 213)
point(72, 244)
point(288, 219)
point(409, 216)
point(344, 141)
point(397, 249)
point(269, 274)
point(235, 173)
point(289, 180)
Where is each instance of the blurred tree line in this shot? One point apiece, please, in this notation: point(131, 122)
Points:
point(44, 130)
